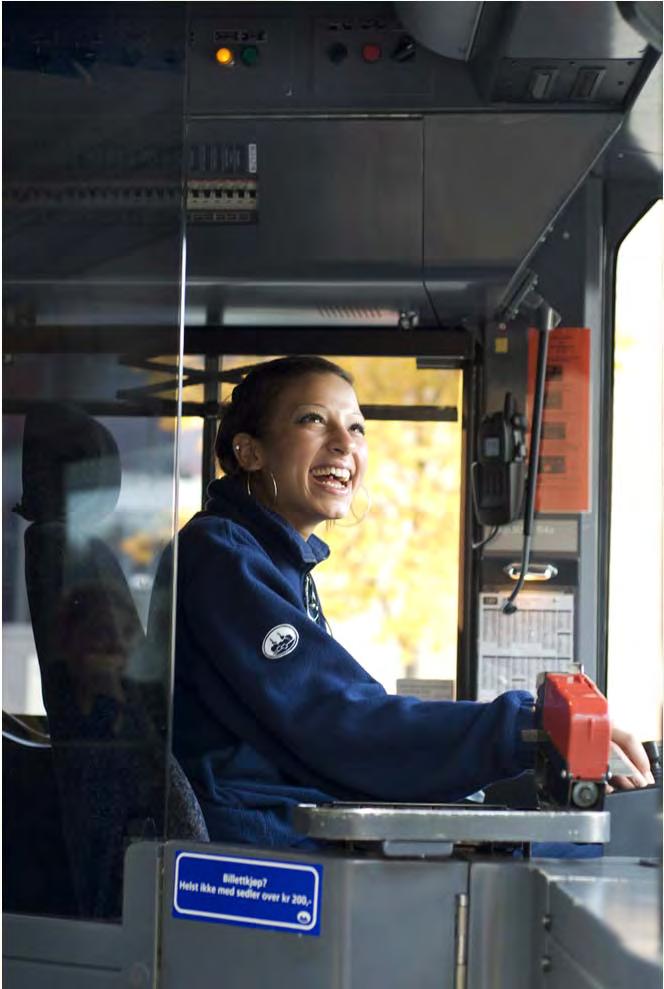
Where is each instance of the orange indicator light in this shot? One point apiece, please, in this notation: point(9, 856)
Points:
point(224, 56)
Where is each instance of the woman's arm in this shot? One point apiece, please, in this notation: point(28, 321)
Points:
point(313, 710)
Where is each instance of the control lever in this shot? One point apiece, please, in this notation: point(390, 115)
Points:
point(572, 738)
point(654, 753)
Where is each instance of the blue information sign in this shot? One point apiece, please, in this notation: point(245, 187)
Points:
point(253, 892)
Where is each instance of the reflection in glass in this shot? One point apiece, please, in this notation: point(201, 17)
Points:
point(92, 230)
point(106, 727)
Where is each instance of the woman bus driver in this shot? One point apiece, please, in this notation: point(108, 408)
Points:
point(270, 711)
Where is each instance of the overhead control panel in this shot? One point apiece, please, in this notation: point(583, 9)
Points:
point(344, 60)
point(334, 159)
point(260, 58)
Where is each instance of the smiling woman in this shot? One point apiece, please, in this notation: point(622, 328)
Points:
point(269, 710)
point(310, 457)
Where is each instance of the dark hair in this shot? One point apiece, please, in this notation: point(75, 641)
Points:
point(253, 400)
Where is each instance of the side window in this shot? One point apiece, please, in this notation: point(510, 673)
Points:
point(390, 587)
point(635, 589)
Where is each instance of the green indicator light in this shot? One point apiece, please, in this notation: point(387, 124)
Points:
point(249, 54)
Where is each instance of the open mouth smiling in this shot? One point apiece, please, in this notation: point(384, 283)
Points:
point(337, 479)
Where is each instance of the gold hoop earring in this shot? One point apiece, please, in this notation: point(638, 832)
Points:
point(358, 518)
point(274, 487)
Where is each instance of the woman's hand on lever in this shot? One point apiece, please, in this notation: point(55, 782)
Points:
point(630, 751)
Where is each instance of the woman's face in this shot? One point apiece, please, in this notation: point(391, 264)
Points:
point(314, 445)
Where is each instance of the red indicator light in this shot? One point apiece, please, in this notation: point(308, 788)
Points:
point(371, 53)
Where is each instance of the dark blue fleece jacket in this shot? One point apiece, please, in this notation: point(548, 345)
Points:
point(270, 711)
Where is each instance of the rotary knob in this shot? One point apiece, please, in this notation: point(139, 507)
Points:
point(337, 53)
point(405, 49)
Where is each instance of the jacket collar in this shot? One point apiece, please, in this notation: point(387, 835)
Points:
point(227, 497)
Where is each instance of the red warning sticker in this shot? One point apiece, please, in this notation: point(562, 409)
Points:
point(564, 473)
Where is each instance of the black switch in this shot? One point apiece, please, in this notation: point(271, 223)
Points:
point(587, 83)
point(337, 53)
point(541, 83)
point(405, 49)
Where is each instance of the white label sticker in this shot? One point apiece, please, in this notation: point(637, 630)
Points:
point(252, 154)
point(514, 649)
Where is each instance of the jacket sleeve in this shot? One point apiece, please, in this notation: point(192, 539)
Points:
point(315, 705)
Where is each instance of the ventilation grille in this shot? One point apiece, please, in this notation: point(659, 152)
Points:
point(356, 314)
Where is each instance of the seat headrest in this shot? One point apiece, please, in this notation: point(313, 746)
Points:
point(71, 465)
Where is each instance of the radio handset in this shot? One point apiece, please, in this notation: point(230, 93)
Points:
point(498, 474)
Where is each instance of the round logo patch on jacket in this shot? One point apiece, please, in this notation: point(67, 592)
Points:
point(279, 641)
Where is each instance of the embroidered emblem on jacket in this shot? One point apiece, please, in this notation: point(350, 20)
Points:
point(279, 641)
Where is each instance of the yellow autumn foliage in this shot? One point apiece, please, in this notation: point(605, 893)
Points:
point(405, 554)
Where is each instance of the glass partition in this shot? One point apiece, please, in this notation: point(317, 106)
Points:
point(92, 271)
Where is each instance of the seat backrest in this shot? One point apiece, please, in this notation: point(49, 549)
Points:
point(108, 729)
